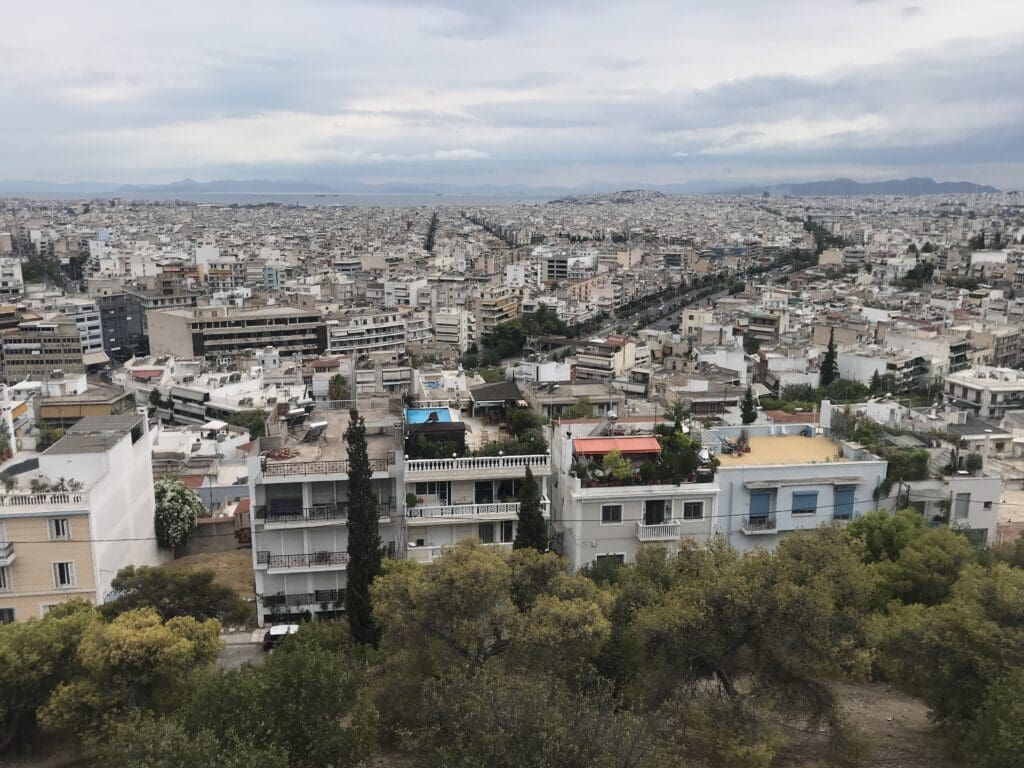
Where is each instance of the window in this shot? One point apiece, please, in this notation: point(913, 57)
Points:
point(484, 492)
point(961, 506)
point(486, 532)
point(611, 514)
point(654, 512)
point(63, 575)
point(508, 530)
point(59, 528)
point(693, 510)
point(760, 504)
point(805, 502)
point(987, 505)
point(6, 615)
point(611, 559)
point(5, 579)
point(843, 509)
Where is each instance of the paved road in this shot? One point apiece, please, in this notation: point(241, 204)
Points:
point(240, 648)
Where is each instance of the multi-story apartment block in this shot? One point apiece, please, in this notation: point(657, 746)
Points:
point(220, 333)
point(298, 486)
point(40, 347)
point(455, 328)
point(298, 483)
point(359, 332)
point(493, 305)
point(600, 519)
point(986, 392)
point(460, 496)
point(605, 359)
point(86, 314)
point(95, 517)
point(784, 478)
point(12, 284)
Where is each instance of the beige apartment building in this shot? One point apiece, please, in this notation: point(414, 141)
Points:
point(89, 514)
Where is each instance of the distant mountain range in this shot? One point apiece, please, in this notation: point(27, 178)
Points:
point(850, 188)
point(191, 189)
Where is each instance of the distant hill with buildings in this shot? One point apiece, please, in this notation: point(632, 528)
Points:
point(849, 187)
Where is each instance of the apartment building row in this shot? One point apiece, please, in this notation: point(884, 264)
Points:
point(435, 486)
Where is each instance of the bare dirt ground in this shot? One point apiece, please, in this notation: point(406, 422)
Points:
point(233, 569)
point(895, 726)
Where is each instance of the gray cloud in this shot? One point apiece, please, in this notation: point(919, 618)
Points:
point(539, 92)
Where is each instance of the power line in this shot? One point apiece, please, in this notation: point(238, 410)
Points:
point(442, 520)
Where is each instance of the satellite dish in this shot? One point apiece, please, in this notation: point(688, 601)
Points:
point(705, 454)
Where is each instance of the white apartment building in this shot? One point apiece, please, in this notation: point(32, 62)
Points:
point(455, 327)
point(357, 332)
point(986, 392)
point(598, 519)
point(86, 314)
point(458, 497)
point(403, 292)
point(12, 285)
point(604, 359)
point(790, 478)
point(94, 517)
point(298, 486)
point(786, 481)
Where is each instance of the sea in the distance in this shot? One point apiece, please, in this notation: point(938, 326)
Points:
point(352, 199)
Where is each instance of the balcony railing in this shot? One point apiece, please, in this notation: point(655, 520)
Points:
point(303, 598)
point(755, 524)
point(465, 510)
point(6, 552)
point(42, 501)
point(321, 512)
point(428, 553)
point(339, 467)
point(467, 465)
point(667, 531)
point(303, 560)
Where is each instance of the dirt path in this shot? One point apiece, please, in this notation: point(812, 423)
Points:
point(895, 726)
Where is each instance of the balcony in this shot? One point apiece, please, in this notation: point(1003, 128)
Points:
point(43, 503)
point(302, 561)
point(667, 531)
point(476, 467)
point(464, 512)
point(429, 554)
point(322, 514)
point(302, 599)
point(338, 467)
point(759, 524)
point(6, 553)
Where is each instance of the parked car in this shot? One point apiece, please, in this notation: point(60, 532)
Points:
point(276, 635)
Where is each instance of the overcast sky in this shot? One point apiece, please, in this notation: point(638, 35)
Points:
point(512, 91)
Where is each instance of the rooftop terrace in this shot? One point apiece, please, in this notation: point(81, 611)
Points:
point(773, 450)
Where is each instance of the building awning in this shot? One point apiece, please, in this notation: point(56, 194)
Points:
point(95, 358)
point(599, 446)
point(146, 374)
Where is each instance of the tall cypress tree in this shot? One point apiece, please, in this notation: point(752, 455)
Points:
point(364, 544)
point(748, 411)
point(830, 363)
point(531, 530)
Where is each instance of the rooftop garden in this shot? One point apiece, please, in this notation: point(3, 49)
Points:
point(678, 461)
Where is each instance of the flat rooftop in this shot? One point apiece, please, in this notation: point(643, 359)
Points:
point(382, 428)
point(773, 450)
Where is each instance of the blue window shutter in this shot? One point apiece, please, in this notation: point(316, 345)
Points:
point(805, 501)
point(844, 502)
point(760, 503)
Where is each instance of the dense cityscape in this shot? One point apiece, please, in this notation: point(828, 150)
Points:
point(600, 377)
point(479, 384)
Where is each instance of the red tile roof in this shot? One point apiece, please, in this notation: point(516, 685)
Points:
point(599, 446)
